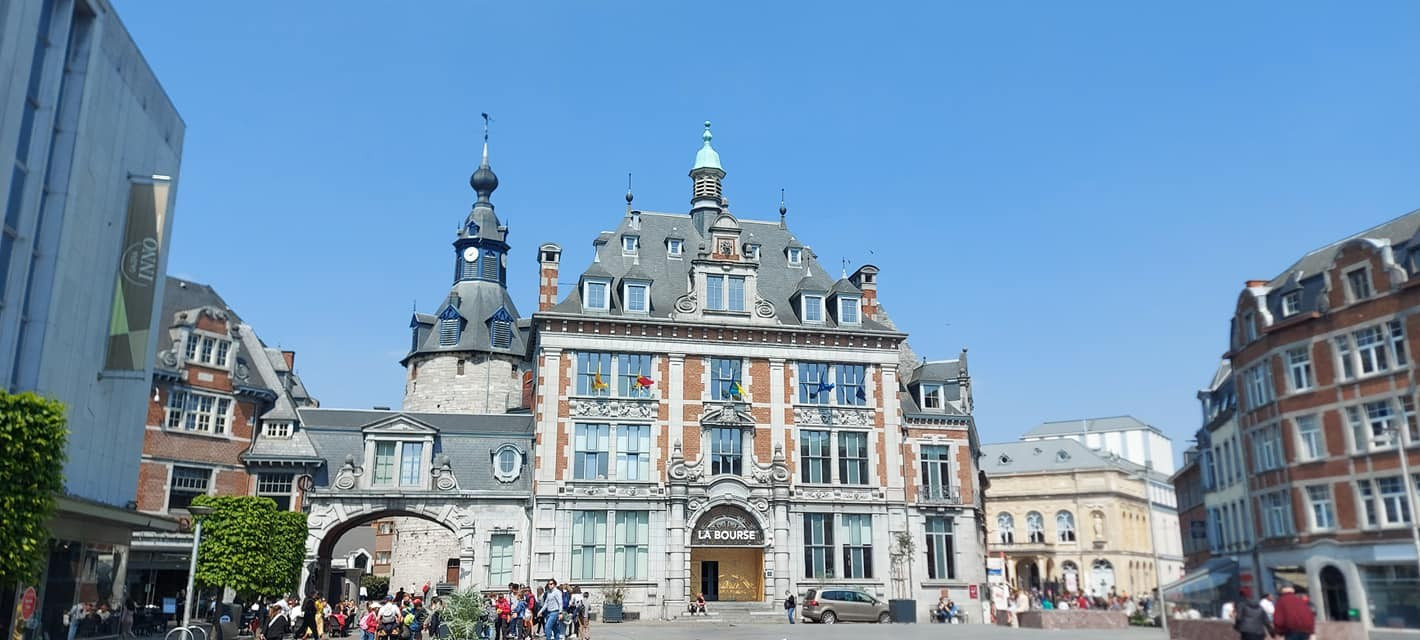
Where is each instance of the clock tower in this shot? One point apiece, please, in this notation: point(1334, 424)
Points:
point(469, 355)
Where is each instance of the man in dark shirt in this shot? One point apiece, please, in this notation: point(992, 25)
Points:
point(309, 615)
point(1293, 618)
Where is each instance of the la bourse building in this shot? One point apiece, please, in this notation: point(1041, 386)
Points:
point(716, 413)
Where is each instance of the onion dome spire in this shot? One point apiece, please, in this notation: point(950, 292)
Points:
point(707, 157)
point(484, 181)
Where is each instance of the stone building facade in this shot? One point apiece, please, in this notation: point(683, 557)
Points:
point(1326, 394)
point(708, 378)
point(1072, 519)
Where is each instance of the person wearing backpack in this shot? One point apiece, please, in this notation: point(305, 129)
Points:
point(791, 605)
point(1249, 620)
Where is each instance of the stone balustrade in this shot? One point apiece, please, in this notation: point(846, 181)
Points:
point(1073, 619)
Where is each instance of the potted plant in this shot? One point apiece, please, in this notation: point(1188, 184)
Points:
point(904, 607)
point(613, 595)
point(463, 613)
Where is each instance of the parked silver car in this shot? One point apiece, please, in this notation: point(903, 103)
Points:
point(843, 605)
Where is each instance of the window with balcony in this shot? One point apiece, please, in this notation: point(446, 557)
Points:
point(187, 483)
point(818, 545)
point(941, 549)
point(1035, 527)
point(852, 457)
point(936, 472)
point(726, 451)
point(1065, 526)
point(1299, 369)
point(815, 457)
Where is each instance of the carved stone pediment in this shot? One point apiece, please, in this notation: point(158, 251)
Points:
point(727, 414)
point(609, 408)
point(833, 416)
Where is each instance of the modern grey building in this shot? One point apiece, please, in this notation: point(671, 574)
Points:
point(91, 146)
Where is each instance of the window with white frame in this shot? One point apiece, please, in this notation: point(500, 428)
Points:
point(588, 545)
point(1258, 381)
point(1035, 527)
point(931, 396)
point(411, 462)
point(507, 463)
point(818, 545)
point(276, 486)
point(633, 537)
point(1385, 501)
point(1276, 514)
point(1249, 326)
point(187, 483)
point(208, 350)
point(500, 558)
point(1266, 448)
point(936, 471)
point(386, 455)
point(1323, 513)
point(815, 383)
point(637, 297)
point(812, 308)
point(1343, 353)
point(1299, 369)
point(941, 549)
point(276, 429)
point(849, 310)
point(725, 383)
point(1291, 303)
point(1371, 350)
point(633, 375)
point(724, 293)
point(1407, 412)
point(1395, 329)
point(190, 351)
point(591, 454)
point(815, 457)
point(1358, 284)
point(594, 295)
point(197, 412)
point(1370, 424)
point(1065, 526)
point(852, 457)
point(675, 247)
point(857, 545)
point(795, 256)
point(633, 452)
point(1006, 528)
point(594, 372)
point(850, 387)
point(630, 244)
point(726, 451)
point(1309, 436)
point(382, 557)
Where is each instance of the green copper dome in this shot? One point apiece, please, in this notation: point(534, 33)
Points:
point(706, 158)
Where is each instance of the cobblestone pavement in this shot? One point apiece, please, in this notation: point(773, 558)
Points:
point(754, 630)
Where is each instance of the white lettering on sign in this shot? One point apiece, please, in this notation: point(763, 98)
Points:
point(727, 535)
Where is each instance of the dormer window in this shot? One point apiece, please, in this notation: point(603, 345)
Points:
point(849, 311)
point(629, 244)
point(931, 396)
point(724, 293)
point(675, 247)
point(752, 251)
point(1358, 284)
point(594, 295)
point(507, 463)
point(500, 331)
point(813, 308)
point(637, 296)
point(796, 256)
point(277, 429)
point(207, 350)
point(450, 328)
point(1291, 303)
point(1249, 326)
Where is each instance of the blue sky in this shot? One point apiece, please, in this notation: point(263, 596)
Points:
point(1074, 191)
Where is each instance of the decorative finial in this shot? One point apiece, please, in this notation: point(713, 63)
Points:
point(483, 180)
point(628, 190)
point(844, 273)
point(782, 209)
point(707, 135)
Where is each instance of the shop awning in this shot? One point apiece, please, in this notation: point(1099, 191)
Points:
point(1210, 575)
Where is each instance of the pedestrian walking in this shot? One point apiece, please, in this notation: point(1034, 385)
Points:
point(1293, 618)
point(791, 605)
point(552, 608)
point(1250, 620)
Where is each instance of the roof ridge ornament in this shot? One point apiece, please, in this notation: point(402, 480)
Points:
point(483, 180)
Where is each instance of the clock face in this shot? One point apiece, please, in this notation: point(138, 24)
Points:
point(471, 254)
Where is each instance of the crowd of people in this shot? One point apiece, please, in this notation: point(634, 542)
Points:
point(558, 612)
point(1289, 617)
point(399, 617)
point(1021, 600)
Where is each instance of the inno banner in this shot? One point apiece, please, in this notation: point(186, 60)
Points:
point(139, 277)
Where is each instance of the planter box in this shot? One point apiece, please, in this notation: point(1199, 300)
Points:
point(611, 612)
point(1073, 619)
point(903, 611)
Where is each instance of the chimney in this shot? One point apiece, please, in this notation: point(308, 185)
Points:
point(866, 279)
point(290, 357)
point(548, 257)
point(1255, 283)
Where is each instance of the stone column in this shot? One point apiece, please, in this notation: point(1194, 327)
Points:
point(892, 429)
point(675, 398)
point(783, 544)
point(676, 595)
point(552, 390)
point(776, 402)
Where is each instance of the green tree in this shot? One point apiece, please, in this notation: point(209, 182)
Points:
point(376, 587)
point(250, 546)
point(32, 436)
point(463, 612)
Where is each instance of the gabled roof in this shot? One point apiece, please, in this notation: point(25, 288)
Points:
point(1088, 425)
point(1394, 232)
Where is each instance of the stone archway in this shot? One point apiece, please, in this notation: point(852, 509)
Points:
point(331, 515)
point(727, 552)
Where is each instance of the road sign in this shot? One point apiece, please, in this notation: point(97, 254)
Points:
point(27, 604)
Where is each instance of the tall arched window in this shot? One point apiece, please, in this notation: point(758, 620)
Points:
point(1065, 526)
point(1007, 527)
point(1035, 527)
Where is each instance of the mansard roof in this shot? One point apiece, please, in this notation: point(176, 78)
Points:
point(777, 282)
point(1088, 425)
point(476, 301)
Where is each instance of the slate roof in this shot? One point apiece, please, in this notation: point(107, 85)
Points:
point(1088, 425)
point(1048, 456)
point(1401, 234)
point(356, 419)
point(476, 301)
point(776, 280)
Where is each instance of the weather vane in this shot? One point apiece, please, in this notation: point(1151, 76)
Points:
point(486, 120)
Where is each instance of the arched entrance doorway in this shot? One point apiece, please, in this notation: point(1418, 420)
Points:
point(727, 555)
point(1333, 593)
point(1101, 578)
point(1027, 575)
point(331, 518)
point(1070, 576)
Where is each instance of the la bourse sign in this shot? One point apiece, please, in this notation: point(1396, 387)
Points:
point(726, 526)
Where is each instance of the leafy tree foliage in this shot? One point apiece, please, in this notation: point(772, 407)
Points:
point(32, 435)
point(250, 546)
point(376, 587)
point(463, 612)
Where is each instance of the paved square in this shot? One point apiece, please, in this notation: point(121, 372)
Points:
point(725, 630)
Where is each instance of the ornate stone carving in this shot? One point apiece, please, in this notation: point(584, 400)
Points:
point(763, 308)
point(725, 413)
point(443, 475)
point(169, 357)
point(603, 408)
point(762, 505)
point(687, 303)
point(695, 504)
point(321, 516)
point(833, 416)
point(243, 372)
point(349, 472)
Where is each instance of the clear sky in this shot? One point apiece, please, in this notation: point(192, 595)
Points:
point(1075, 191)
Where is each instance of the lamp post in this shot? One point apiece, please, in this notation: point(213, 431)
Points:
point(1398, 439)
point(197, 512)
point(1154, 548)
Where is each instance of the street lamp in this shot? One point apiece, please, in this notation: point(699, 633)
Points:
point(1160, 602)
point(1397, 438)
point(197, 511)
